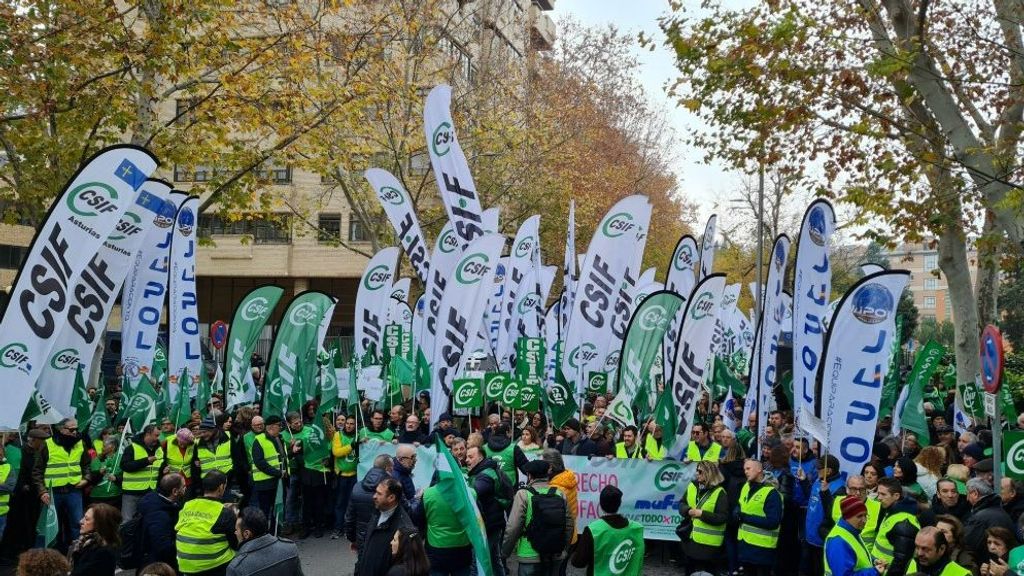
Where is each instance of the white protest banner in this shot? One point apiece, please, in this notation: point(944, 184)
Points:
point(680, 279)
point(183, 351)
point(143, 296)
point(93, 296)
point(765, 377)
point(695, 351)
point(450, 168)
point(402, 215)
point(856, 359)
point(568, 269)
point(521, 259)
point(489, 219)
point(372, 301)
point(812, 286)
point(461, 315)
point(707, 248)
point(447, 248)
point(492, 314)
point(400, 289)
point(616, 246)
point(80, 219)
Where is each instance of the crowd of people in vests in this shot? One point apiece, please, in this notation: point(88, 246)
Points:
point(230, 492)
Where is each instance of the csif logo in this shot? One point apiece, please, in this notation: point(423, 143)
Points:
point(129, 225)
point(558, 394)
point(1015, 456)
point(442, 139)
point(508, 397)
point(377, 277)
point(467, 392)
point(653, 317)
point(449, 243)
point(186, 222)
point(495, 386)
point(65, 359)
point(15, 355)
point(816, 225)
point(528, 302)
point(621, 557)
point(524, 247)
point(257, 309)
point(391, 195)
point(472, 268)
point(143, 404)
point(527, 394)
point(582, 354)
point(91, 199)
point(618, 224)
point(703, 306)
point(684, 260)
point(872, 303)
point(303, 314)
point(668, 476)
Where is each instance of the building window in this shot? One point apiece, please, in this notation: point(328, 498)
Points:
point(928, 317)
point(357, 231)
point(931, 283)
point(931, 262)
point(271, 229)
point(194, 174)
point(929, 302)
point(329, 228)
point(275, 174)
point(949, 306)
point(462, 58)
point(11, 257)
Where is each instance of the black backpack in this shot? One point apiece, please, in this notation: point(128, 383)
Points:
point(546, 530)
point(503, 489)
point(130, 554)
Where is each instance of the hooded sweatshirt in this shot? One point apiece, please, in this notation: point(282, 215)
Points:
point(566, 482)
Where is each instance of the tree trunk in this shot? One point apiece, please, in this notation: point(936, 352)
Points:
point(953, 262)
point(145, 99)
point(987, 282)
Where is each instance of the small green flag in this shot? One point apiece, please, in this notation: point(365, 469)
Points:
point(203, 394)
point(467, 393)
point(182, 407)
point(529, 395)
point(142, 407)
point(913, 417)
point(451, 484)
point(422, 373)
point(279, 502)
point(597, 382)
point(560, 400)
point(667, 417)
point(353, 392)
point(47, 525)
point(80, 397)
point(99, 419)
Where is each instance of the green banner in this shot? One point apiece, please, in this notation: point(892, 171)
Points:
point(250, 317)
point(80, 397)
point(392, 341)
point(529, 395)
point(913, 417)
point(597, 382)
point(495, 384)
point(510, 396)
point(560, 401)
point(970, 396)
point(99, 419)
point(1013, 454)
point(292, 361)
point(530, 358)
point(891, 385)
point(467, 393)
point(642, 345)
point(142, 407)
point(182, 411)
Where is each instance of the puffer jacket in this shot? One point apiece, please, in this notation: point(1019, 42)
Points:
point(566, 482)
point(360, 505)
point(266, 555)
point(902, 536)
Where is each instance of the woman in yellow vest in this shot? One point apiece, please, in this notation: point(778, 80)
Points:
point(706, 508)
point(180, 452)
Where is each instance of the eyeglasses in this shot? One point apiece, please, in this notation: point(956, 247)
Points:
point(413, 458)
point(71, 429)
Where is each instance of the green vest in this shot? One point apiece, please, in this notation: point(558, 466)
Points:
point(713, 453)
point(146, 478)
point(505, 459)
point(270, 454)
point(704, 533)
point(198, 549)
point(754, 505)
point(622, 547)
point(863, 559)
point(5, 499)
point(217, 459)
point(444, 530)
point(346, 465)
point(105, 489)
point(248, 439)
point(63, 468)
point(620, 451)
point(951, 569)
point(179, 462)
point(882, 549)
point(385, 435)
point(870, 530)
point(523, 548)
point(654, 452)
point(314, 459)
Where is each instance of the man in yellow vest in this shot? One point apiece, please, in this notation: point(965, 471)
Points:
point(214, 449)
point(62, 468)
point(180, 451)
point(613, 544)
point(701, 447)
point(845, 551)
point(628, 448)
point(896, 530)
point(856, 487)
point(654, 444)
point(932, 555)
point(141, 465)
point(759, 511)
point(8, 482)
point(268, 466)
point(206, 539)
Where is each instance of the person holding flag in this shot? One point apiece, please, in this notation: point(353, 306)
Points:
point(268, 465)
point(62, 467)
point(141, 462)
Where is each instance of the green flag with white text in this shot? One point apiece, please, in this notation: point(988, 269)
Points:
point(913, 416)
point(99, 419)
point(292, 363)
point(142, 406)
point(80, 397)
point(451, 484)
point(560, 400)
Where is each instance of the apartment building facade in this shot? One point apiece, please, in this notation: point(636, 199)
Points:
point(927, 282)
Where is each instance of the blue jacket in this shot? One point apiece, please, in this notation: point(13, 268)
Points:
point(801, 491)
point(156, 529)
point(818, 510)
point(404, 476)
point(772, 520)
point(840, 556)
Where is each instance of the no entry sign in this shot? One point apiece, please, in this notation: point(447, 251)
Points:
point(991, 359)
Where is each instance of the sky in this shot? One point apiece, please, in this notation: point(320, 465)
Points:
point(701, 184)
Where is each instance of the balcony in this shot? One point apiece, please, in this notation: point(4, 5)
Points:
point(545, 4)
point(542, 29)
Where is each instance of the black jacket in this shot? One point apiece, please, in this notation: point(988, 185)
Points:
point(260, 462)
point(585, 447)
point(499, 443)
point(961, 509)
point(159, 516)
point(1015, 508)
point(130, 464)
point(486, 490)
point(360, 505)
point(92, 560)
point(987, 513)
point(375, 549)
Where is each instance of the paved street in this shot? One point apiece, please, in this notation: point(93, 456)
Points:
point(326, 557)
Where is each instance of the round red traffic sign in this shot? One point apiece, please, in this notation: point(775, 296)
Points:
point(218, 334)
point(991, 359)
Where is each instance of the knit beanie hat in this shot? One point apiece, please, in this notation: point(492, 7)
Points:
point(852, 506)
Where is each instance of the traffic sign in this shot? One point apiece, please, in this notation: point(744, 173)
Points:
point(990, 405)
point(218, 334)
point(991, 359)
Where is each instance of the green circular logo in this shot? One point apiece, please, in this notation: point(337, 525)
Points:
point(703, 306)
point(391, 195)
point(684, 260)
point(970, 397)
point(582, 354)
point(666, 478)
point(653, 317)
point(466, 392)
point(621, 557)
point(130, 225)
point(618, 224)
point(89, 199)
point(448, 243)
point(511, 391)
point(495, 386)
point(442, 139)
point(524, 247)
point(13, 355)
point(558, 393)
point(527, 302)
point(377, 277)
point(1015, 457)
point(472, 268)
point(65, 359)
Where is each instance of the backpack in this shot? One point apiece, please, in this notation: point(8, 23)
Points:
point(546, 529)
point(130, 554)
point(503, 489)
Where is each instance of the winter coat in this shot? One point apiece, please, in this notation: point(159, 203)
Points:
point(266, 555)
point(819, 511)
point(802, 488)
point(486, 490)
point(720, 515)
point(375, 549)
point(772, 520)
point(404, 477)
point(1015, 508)
point(91, 556)
point(961, 509)
point(566, 482)
point(987, 513)
point(841, 558)
point(516, 527)
point(902, 535)
point(159, 517)
point(360, 505)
